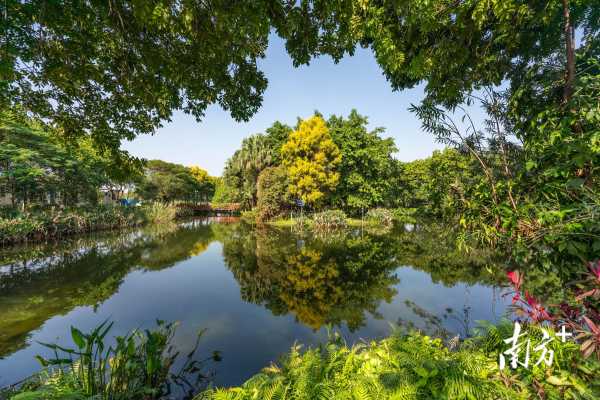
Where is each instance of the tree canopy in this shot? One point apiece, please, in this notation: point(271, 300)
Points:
point(166, 181)
point(242, 170)
point(35, 167)
point(311, 159)
point(116, 69)
point(367, 162)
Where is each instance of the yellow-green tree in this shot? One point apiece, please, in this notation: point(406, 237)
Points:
point(311, 158)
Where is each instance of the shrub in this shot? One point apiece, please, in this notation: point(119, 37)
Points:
point(249, 217)
point(18, 229)
point(271, 193)
point(330, 219)
point(415, 366)
point(50, 223)
point(380, 216)
point(399, 367)
point(160, 212)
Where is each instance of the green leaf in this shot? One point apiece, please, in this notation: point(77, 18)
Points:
point(78, 337)
point(43, 362)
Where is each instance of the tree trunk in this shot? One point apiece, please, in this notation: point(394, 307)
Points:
point(570, 50)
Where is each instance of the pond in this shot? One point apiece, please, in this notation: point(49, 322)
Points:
point(255, 290)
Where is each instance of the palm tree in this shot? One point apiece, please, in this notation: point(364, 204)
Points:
point(247, 163)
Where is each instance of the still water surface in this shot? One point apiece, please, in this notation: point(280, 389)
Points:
point(257, 291)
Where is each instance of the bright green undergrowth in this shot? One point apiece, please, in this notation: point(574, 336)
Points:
point(415, 366)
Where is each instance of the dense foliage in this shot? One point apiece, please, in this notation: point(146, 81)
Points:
point(414, 366)
point(116, 70)
point(243, 168)
point(37, 168)
point(164, 181)
point(367, 164)
point(311, 159)
point(524, 180)
point(334, 163)
point(58, 223)
point(137, 366)
point(271, 192)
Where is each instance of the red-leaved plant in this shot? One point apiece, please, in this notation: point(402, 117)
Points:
point(581, 315)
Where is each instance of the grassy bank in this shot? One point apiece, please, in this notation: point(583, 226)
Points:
point(49, 224)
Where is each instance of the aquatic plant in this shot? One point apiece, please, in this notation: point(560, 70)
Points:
point(139, 366)
point(330, 219)
point(380, 216)
point(53, 223)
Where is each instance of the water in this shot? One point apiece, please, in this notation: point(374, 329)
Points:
point(257, 291)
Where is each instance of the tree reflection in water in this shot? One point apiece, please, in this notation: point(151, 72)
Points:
point(319, 282)
point(340, 278)
point(336, 279)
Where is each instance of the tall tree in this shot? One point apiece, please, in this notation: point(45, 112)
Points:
point(311, 159)
point(367, 162)
point(257, 152)
point(35, 167)
point(205, 183)
point(244, 167)
point(166, 181)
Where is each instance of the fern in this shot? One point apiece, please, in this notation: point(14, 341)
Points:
point(404, 367)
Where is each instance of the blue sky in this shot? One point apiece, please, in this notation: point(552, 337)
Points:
point(355, 82)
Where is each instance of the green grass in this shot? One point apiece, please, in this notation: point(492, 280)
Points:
point(282, 223)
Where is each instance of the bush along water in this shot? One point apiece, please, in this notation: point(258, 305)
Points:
point(139, 366)
point(43, 224)
point(162, 213)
